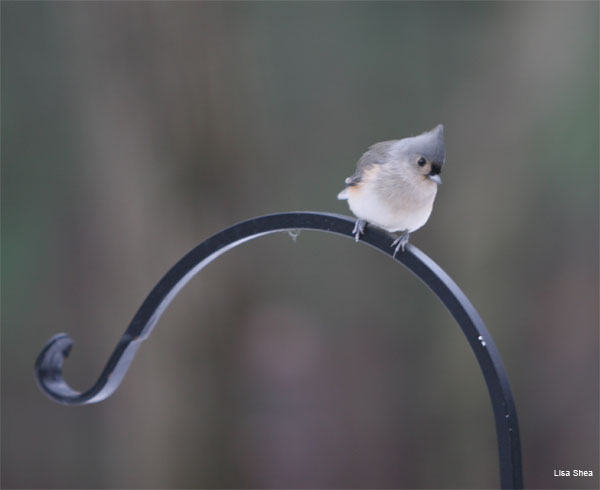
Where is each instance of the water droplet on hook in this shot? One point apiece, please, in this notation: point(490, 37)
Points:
point(507, 416)
point(480, 338)
point(295, 233)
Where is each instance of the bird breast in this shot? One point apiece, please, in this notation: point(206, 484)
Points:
point(399, 208)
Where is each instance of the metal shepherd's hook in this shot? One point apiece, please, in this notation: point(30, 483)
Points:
point(49, 364)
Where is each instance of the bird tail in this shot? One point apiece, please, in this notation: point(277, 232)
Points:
point(343, 195)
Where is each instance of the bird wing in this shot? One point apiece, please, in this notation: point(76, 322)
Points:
point(375, 155)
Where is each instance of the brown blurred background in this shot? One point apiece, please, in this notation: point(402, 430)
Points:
point(133, 131)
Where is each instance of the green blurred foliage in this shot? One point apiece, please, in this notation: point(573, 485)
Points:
point(131, 131)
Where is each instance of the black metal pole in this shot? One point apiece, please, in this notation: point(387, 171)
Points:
point(49, 364)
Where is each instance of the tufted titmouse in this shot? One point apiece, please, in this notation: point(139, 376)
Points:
point(395, 184)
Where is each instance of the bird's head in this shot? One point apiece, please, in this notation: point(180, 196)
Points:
point(424, 154)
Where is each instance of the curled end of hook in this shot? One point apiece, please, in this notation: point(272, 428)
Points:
point(49, 366)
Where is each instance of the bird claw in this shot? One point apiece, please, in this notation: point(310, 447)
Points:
point(359, 229)
point(400, 243)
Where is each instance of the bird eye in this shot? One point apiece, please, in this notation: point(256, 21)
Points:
point(421, 161)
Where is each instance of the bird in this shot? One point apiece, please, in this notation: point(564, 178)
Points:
point(395, 184)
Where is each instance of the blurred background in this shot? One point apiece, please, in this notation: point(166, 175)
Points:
point(132, 131)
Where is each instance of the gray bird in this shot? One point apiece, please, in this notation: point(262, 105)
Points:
point(395, 184)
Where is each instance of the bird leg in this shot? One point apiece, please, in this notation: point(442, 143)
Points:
point(400, 242)
point(359, 229)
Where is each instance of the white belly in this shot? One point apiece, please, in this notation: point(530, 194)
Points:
point(399, 215)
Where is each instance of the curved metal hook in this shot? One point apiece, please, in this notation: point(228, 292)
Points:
point(49, 364)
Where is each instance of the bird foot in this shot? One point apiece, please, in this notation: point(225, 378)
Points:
point(359, 229)
point(400, 243)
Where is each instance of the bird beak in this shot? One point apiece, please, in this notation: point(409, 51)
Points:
point(436, 178)
point(434, 173)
